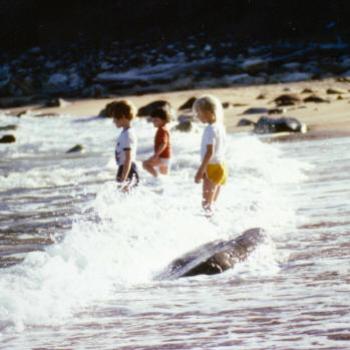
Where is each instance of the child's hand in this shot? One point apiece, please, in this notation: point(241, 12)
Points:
point(154, 158)
point(199, 176)
point(123, 186)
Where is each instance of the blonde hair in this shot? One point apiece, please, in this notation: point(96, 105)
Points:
point(120, 109)
point(212, 104)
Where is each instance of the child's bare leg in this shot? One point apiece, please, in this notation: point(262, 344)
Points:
point(149, 166)
point(163, 169)
point(209, 190)
point(217, 192)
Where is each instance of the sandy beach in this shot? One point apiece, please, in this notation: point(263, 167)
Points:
point(332, 116)
point(322, 119)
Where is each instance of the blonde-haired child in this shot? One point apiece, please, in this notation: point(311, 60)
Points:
point(123, 112)
point(212, 169)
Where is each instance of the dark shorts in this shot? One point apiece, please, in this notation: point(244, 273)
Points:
point(133, 176)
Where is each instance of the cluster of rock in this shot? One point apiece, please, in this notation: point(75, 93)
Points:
point(41, 76)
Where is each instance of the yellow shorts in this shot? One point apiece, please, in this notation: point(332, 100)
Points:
point(217, 173)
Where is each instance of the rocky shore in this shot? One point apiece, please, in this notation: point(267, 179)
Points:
point(39, 76)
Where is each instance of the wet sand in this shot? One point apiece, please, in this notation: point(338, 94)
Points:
point(322, 119)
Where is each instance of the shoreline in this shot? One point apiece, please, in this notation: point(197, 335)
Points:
point(323, 120)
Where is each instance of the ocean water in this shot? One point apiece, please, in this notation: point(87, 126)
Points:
point(79, 259)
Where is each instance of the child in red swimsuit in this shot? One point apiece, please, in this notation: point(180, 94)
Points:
point(160, 160)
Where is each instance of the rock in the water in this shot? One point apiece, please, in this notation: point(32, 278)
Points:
point(7, 139)
point(215, 257)
point(315, 99)
point(184, 126)
point(287, 100)
point(261, 97)
point(226, 105)
point(266, 125)
point(76, 149)
point(147, 110)
point(245, 122)
point(188, 104)
point(8, 127)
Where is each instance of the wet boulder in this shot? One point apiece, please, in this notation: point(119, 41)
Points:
point(7, 139)
point(76, 149)
point(215, 257)
point(184, 126)
point(147, 110)
point(266, 125)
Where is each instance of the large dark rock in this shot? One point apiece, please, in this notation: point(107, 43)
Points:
point(215, 257)
point(184, 126)
point(76, 149)
point(7, 139)
point(266, 125)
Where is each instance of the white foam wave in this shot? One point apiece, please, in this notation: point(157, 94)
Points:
point(123, 240)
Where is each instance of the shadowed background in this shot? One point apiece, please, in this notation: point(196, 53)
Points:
point(27, 23)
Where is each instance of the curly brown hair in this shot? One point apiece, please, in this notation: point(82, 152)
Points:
point(121, 109)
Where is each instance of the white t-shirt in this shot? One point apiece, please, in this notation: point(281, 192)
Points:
point(127, 140)
point(214, 134)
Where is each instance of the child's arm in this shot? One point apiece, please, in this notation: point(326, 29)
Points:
point(126, 165)
point(203, 166)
